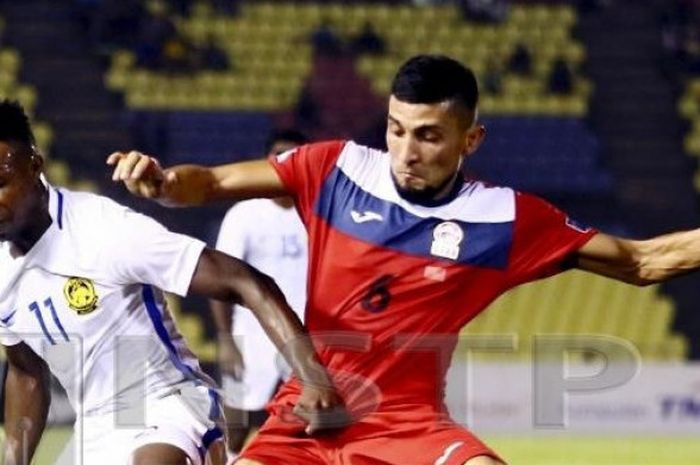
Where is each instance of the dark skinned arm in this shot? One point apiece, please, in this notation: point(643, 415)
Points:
point(230, 280)
point(230, 357)
point(27, 399)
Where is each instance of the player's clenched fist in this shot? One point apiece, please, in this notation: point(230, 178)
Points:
point(322, 409)
point(142, 174)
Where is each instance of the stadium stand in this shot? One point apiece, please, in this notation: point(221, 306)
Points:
point(578, 303)
point(58, 172)
point(689, 108)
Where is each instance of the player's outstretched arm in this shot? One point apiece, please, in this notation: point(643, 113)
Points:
point(27, 399)
point(641, 262)
point(225, 278)
point(191, 185)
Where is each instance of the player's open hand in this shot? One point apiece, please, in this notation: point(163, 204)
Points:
point(142, 174)
point(322, 409)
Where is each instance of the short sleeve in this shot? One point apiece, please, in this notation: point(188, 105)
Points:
point(7, 337)
point(544, 237)
point(232, 233)
point(142, 251)
point(304, 169)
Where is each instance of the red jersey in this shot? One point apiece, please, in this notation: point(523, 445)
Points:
point(391, 283)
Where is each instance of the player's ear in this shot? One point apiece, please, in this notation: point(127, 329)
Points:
point(473, 138)
point(36, 162)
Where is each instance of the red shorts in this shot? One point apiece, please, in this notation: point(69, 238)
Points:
point(414, 436)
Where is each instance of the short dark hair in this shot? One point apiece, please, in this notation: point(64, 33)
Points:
point(285, 135)
point(433, 79)
point(14, 123)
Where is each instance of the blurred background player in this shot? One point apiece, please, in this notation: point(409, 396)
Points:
point(267, 234)
point(82, 297)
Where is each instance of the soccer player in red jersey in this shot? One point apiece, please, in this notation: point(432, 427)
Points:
point(403, 252)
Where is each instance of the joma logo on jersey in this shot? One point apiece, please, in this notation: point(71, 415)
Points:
point(80, 294)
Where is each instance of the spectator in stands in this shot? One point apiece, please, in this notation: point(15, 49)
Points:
point(484, 11)
point(368, 42)
point(561, 79)
point(210, 56)
point(587, 6)
point(520, 61)
point(680, 35)
point(158, 36)
point(177, 55)
point(325, 40)
point(493, 77)
point(117, 22)
point(306, 111)
point(180, 7)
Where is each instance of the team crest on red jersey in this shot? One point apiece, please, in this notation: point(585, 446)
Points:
point(576, 226)
point(447, 236)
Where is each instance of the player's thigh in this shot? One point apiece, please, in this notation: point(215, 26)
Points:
point(414, 442)
point(483, 460)
point(281, 442)
point(159, 454)
point(248, 462)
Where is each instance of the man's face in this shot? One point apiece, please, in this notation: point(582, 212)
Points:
point(19, 174)
point(427, 143)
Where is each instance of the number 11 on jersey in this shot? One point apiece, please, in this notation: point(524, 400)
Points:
point(48, 304)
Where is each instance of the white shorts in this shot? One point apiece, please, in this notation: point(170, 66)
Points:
point(189, 419)
point(264, 369)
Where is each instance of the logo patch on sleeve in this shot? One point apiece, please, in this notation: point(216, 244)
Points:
point(80, 294)
point(282, 157)
point(576, 226)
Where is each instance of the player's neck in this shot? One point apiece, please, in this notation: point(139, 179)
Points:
point(433, 196)
point(28, 236)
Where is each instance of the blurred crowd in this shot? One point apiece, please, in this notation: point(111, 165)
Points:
point(148, 29)
point(680, 34)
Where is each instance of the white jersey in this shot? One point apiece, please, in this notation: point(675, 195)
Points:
point(272, 239)
point(87, 299)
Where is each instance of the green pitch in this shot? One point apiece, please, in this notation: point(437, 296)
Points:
point(538, 450)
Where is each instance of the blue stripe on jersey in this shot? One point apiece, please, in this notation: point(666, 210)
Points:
point(7, 319)
point(156, 317)
point(59, 213)
point(211, 436)
point(484, 244)
point(208, 438)
point(215, 407)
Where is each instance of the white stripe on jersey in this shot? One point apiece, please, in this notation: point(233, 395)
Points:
point(477, 203)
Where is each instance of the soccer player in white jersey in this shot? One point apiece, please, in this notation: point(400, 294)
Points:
point(403, 252)
point(267, 234)
point(81, 295)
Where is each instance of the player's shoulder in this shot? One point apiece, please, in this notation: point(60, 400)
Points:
point(97, 223)
point(353, 153)
point(322, 149)
point(362, 165)
point(90, 211)
point(479, 201)
point(85, 226)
